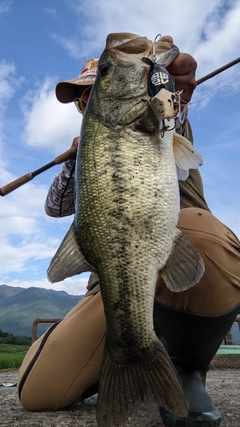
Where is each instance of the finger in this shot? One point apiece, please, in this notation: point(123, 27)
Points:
point(182, 65)
point(76, 141)
point(185, 84)
point(183, 70)
point(168, 39)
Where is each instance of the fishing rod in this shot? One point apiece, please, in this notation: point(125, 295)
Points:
point(6, 189)
point(219, 70)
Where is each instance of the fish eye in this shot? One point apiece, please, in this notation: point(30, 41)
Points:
point(104, 68)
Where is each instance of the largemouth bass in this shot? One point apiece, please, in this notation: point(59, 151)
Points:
point(125, 226)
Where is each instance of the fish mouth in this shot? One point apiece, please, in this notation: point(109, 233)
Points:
point(128, 48)
point(134, 44)
point(127, 42)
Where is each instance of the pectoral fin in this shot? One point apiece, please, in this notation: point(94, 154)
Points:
point(182, 174)
point(184, 267)
point(186, 156)
point(68, 260)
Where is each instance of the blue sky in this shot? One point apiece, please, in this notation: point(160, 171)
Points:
point(44, 42)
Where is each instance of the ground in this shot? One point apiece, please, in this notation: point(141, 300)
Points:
point(223, 384)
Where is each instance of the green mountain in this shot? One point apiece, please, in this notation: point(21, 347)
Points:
point(19, 307)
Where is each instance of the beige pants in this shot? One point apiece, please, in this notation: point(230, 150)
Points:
point(69, 361)
point(65, 364)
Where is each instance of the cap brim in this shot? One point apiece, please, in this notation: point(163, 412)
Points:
point(68, 90)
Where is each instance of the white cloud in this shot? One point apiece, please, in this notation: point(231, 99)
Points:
point(207, 31)
point(5, 6)
point(15, 255)
point(221, 42)
point(49, 123)
point(24, 235)
point(9, 82)
point(33, 206)
point(21, 225)
point(148, 17)
point(70, 44)
point(74, 286)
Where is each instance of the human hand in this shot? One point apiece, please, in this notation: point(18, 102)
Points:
point(74, 147)
point(75, 142)
point(183, 70)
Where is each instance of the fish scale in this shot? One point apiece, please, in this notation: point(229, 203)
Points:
point(125, 226)
point(130, 206)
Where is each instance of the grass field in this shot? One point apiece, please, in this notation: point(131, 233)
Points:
point(11, 356)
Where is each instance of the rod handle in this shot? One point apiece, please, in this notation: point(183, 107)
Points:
point(6, 189)
point(67, 155)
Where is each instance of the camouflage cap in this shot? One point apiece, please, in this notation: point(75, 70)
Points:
point(68, 90)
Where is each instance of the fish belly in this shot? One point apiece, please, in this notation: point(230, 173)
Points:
point(126, 216)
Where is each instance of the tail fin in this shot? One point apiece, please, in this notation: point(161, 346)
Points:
point(124, 386)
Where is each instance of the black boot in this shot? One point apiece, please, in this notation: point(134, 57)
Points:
point(192, 340)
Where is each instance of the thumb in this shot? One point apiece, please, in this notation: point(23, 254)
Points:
point(168, 39)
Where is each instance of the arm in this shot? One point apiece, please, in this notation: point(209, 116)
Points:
point(60, 199)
